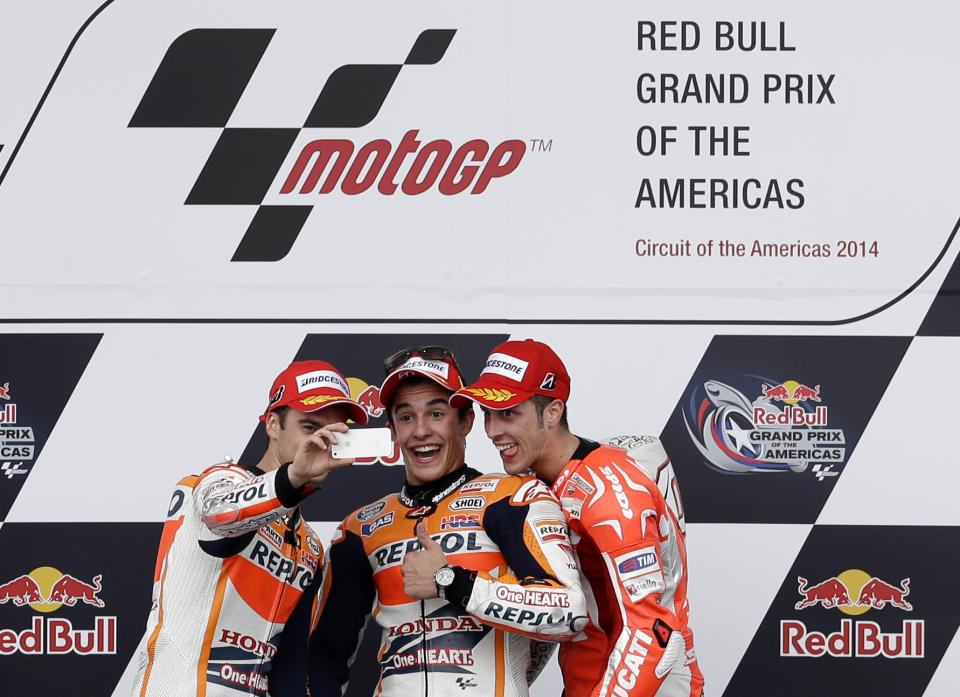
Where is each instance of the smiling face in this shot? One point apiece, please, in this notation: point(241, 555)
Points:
point(519, 435)
point(431, 434)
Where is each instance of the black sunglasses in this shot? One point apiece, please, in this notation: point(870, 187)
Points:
point(432, 353)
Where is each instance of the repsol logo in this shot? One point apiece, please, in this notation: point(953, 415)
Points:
point(279, 566)
point(255, 491)
point(450, 543)
point(203, 77)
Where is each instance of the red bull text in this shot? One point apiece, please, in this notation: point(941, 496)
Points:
point(855, 638)
point(60, 637)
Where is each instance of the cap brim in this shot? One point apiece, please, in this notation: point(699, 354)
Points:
point(489, 397)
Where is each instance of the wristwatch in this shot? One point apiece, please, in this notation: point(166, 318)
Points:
point(443, 578)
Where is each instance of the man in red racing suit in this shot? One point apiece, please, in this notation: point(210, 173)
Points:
point(237, 569)
point(629, 543)
point(463, 571)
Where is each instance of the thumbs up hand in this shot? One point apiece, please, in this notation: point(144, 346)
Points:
point(419, 567)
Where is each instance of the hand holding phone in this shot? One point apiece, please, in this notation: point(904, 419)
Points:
point(363, 442)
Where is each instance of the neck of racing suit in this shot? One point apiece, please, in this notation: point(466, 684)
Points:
point(431, 493)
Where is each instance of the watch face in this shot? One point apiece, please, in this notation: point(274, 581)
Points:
point(444, 576)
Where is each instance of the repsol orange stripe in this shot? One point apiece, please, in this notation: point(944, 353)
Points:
point(532, 544)
point(479, 561)
point(208, 635)
point(258, 588)
point(499, 639)
point(389, 585)
point(152, 641)
point(166, 539)
point(498, 649)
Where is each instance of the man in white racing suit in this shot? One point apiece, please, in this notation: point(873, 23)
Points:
point(237, 569)
point(463, 571)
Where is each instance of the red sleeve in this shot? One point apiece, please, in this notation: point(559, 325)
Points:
point(627, 521)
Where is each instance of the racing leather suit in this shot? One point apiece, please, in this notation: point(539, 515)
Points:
point(236, 565)
point(630, 547)
point(515, 582)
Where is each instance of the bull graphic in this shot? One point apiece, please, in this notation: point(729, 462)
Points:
point(877, 594)
point(829, 593)
point(68, 590)
point(22, 590)
point(777, 393)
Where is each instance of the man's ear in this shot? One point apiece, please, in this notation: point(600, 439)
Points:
point(468, 420)
point(272, 425)
point(553, 412)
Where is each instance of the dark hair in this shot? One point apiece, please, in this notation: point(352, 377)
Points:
point(540, 402)
point(417, 380)
point(282, 413)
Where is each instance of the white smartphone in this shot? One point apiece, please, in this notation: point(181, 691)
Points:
point(363, 442)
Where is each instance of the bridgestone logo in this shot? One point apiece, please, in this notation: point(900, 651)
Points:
point(322, 378)
point(427, 366)
point(435, 163)
point(507, 366)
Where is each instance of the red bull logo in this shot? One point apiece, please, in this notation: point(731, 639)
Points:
point(789, 392)
point(46, 589)
point(877, 594)
point(785, 429)
point(5, 391)
point(829, 593)
point(369, 399)
point(853, 592)
point(69, 590)
point(22, 590)
point(9, 414)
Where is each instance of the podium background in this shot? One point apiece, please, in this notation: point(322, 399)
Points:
point(155, 279)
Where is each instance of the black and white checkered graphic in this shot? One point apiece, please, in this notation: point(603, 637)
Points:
point(198, 85)
point(862, 610)
point(744, 456)
point(38, 372)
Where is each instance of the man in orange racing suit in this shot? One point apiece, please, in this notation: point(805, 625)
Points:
point(495, 573)
point(237, 570)
point(628, 542)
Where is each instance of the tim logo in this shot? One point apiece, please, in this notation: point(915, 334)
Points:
point(244, 163)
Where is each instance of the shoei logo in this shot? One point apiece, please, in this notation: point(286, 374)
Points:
point(241, 169)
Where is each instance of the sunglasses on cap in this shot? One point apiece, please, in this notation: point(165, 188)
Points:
point(431, 353)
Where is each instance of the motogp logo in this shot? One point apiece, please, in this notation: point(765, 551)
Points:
point(203, 77)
